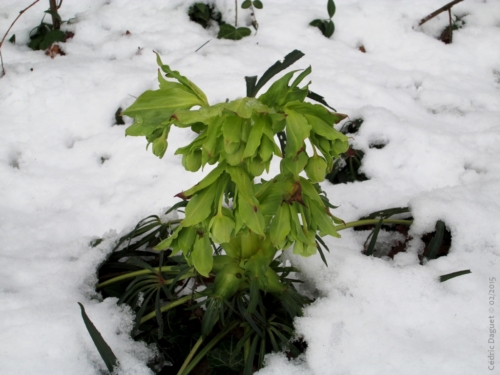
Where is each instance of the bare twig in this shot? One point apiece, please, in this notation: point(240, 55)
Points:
point(235, 13)
point(440, 10)
point(255, 24)
point(5, 36)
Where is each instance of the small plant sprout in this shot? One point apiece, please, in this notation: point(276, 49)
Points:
point(326, 26)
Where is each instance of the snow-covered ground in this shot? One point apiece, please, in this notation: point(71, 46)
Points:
point(67, 175)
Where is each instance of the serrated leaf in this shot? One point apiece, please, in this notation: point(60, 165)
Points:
point(195, 90)
point(152, 108)
point(228, 31)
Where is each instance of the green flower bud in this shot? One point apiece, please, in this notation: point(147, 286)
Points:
point(221, 228)
point(316, 169)
point(256, 166)
point(192, 161)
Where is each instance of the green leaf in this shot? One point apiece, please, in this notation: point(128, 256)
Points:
point(105, 351)
point(202, 255)
point(228, 31)
point(253, 143)
point(331, 8)
point(280, 226)
point(244, 184)
point(191, 87)
point(275, 95)
point(221, 228)
point(317, 23)
point(206, 182)
point(52, 36)
point(449, 276)
point(323, 220)
point(373, 241)
point(246, 4)
point(12, 39)
point(258, 4)
point(277, 67)
point(329, 28)
point(232, 128)
point(436, 241)
point(200, 206)
point(320, 99)
point(252, 216)
point(297, 130)
point(296, 164)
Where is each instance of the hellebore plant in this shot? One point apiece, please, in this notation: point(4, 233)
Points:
point(251, 221)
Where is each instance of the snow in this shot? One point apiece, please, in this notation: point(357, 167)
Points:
point(435, 106)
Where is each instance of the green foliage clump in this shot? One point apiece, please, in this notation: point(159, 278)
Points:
point(326, 26)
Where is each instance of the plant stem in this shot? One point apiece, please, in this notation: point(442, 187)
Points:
point(235, 13)
point(442, 9)
point(190, 355)
point(361, 223)
point(208, 347)
point(7, 32)
point(143, 272)
point(171, 305)
point(54, 7)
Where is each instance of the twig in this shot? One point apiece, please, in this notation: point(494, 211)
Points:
point(440, 10)
point(203, 45)
point(255, 24)
point(5, 36)
point(235, 13)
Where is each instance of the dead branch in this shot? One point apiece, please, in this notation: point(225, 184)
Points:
point(5, 36)
point(440, 10)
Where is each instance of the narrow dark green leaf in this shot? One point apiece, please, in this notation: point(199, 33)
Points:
point(321, 253)
point(277, 67)
point(250, 81)
point(251, 355)
point(373, 241)
point(105, 351)
point(320, 99)
point(12, 39)
point(448, 276)
point(436, 241)
point(331, 8)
